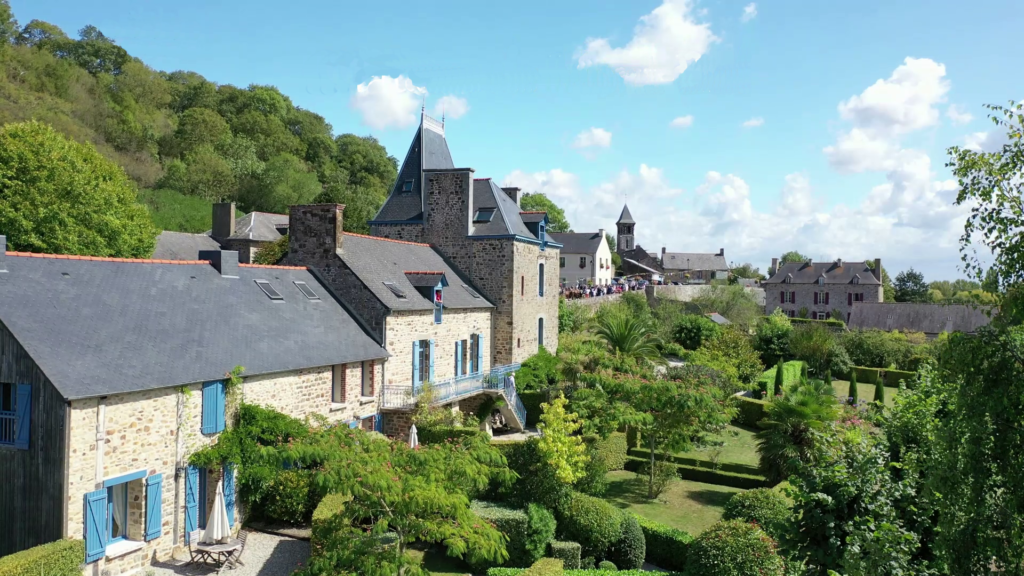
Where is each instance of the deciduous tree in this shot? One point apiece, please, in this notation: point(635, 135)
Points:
point(556, 216)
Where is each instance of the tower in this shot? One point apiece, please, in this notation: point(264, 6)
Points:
point(624, 240)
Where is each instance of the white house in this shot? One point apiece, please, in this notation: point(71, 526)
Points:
point(585, 259)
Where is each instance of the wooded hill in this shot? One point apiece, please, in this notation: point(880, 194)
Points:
point(184, 140)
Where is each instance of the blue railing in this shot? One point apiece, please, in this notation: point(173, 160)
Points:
point(452, 389)
point(6, 427)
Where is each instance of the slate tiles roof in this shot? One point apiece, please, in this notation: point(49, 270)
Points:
point(99, 326)
point(507, 219)
point(694, 261)
point(260, 226)
point(577, 242)
point(834, 272)
point(182, 245)
point(927, 318)
point(428, 151)
point(625, 217)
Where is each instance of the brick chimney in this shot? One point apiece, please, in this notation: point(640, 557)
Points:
point(878, 269)
point(223, 220)
point(774, 268)
point(513, 193)
point(3, 253)
point(225, 261)
point(314, 232)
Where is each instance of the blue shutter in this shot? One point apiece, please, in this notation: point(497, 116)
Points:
point(95, 525)
point(353, 424)
point(479, 352)
point(154, 500)
point(22, 416)
point(229, 492)
point(378, 424)
point(431, 361)
point(415, 363)
point(209, 407)
point(221, 405)
point(191, 501)
point(458, 358)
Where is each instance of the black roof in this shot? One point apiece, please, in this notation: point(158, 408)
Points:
point(428, 151)
point(927, 318)
point(625, 217)
point(107, 326)
point(578, 242)
point(507, 217)
point(182, 245)
point(838, 272)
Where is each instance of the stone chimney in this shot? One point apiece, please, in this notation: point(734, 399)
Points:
point(225, 261)
point(513, 193)
point(223, 220)
point(601, 233)
point(314, 232)
point(774, 268)
point(878, 269)
point(662, 253)
point(3, 253)
point(721, 251)
point(839, 262)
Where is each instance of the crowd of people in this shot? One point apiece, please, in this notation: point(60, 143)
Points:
point(583, 291)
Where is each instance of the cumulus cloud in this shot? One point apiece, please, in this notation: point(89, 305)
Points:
point(664, 44)
point(593, 138)
point(753, 122)
point(682, 122)
point(797, 196)
point(958, 115)
point(451, 107)
point(903, 103)
point(749, 12)
point(991, 141)
point(386, 102)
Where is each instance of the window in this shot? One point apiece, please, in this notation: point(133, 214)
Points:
point(856, 279)
point(14, 414)
point(213, 407)
point(472, 292)
point(561, 261)
point(475, 354)
point(306, 290)
point(541, 228)
point(422, 361)
point(821, 297)
point(522, 285)
point(338, 384)
point(821, 281)
point(483, 215)
point(461, 358)
point(791, 313)
point(108, 521)
point(858, 297)
point(788, 297)
point(395, 290)
point(117, 513)
point(269, 290)
point(368, 379)
point(540, 279)
point(583, 262)
point(540, 333)
point(407, 186)
point(438, 311)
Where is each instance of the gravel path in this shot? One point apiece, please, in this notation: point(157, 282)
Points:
point(263, 555)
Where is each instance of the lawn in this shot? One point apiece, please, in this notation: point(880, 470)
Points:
point(739, 446)
point(438, 563)
point(689, 506)
point(866, 391)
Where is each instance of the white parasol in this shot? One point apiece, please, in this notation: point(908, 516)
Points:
point(217, 527)
point(414, 438)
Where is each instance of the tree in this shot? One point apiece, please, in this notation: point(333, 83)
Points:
point(888, 292)
point(629, 336)
point(854, 393)
point(286, 181)
point(693, 330)
point(564, 452)
point(361, 181)
point(793, 256)
point(911, 287)
point(819, 348)
point(8, 25)
point(556, 216)
point(771, 337)
point(780, 380)
point(745, 270)
point(62, 197)
point(879, 398)
point(789, 424)
point(734, 302)
point(611, 241)
point(44, 36)
point(197, 127)
point(272, 253)
point(731, 351)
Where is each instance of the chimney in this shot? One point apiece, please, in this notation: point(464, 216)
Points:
point(314, 233)
point(839, 262)
point(223, 220)
point(225, 261)
point(513, 193)
point(721, 251)
point(774, 268)
point(662, 253)
point(3, 253)
point(601, 233)
point(878, 269)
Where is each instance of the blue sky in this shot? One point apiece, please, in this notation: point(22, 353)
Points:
point(575, 99)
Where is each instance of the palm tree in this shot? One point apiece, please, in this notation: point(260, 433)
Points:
point(630, 336)
point(787, 436)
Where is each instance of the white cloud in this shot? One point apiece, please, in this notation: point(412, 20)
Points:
point(664, 44)
point(958, 115)
point(991, 141)
point(451, 107)
point(753, 122)
point(797, 196)
point(749, 12)
point(386, 102)
point(682, 122)
point(593, 138)
point(903, 103)
point(858, 151)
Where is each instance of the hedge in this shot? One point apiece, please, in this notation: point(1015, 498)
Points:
point(569, 553)
point(666, 546)
point(590, 572)
point(893, 377)
point(442, 434)
point(512, 523)
point(734, 547)
point(60, 558)
point(532, 401)
point(733, 467)
point(592, 522)
point(790, 374)
point(890, 378)
point(751, 410)
point(630, 550)
point(612, 450)
point(329, 507)
point(831, 322)
point(719, 477)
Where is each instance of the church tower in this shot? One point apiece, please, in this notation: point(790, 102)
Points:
point(624, 240)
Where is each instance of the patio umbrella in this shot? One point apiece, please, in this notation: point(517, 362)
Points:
point(217, 526)
point(414, 439)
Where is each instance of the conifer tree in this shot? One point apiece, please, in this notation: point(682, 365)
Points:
point(880, 391)
point(854, 392)
point(779, 379)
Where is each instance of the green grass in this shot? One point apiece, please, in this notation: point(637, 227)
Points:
point(689, 506)
point(866, 391)
point(438, 563)
point(739, 446)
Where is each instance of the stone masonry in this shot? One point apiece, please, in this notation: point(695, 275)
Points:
point(804, 298)
point(404, 328)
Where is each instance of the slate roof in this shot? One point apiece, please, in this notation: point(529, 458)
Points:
point(378, 260)
point(533, 217)
point(424, 279)
point(102, 326)
point(507, 218)
point(625, 217)
point(804, 273)
point(693, 261)
point(927, 318)
point(718, 319)
point(643, 266)
point(182, 245)
point(428, 151)
point(578, 242)
point(259, 226)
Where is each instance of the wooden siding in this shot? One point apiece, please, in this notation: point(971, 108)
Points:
point(32, 481)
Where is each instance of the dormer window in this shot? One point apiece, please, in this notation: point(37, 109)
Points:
point(856, 279)
point(821, 281)
point(788, 279)
point(483, 215)
point(407, 186)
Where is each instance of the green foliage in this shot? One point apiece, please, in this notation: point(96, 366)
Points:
point(568, 552)
point(545, 567)
point(286, 181)
point(751, 411)
point(592, 522)
point(666, 547)
point(701, 472)
point(291, 497)
point(540, 530)
point(171, 210)
point(329, 506)
point(629, 550)
point(731, 352)
point(877, 348)
point(271, 254)
point(61, 197)
point(793, 256)
point(779, 382)
point(538, 372)
point(564, 452)
point(611, 451)
point(514, 524)
point(854, 389)
point(745, 270)
point(788, 430)
point(820, 348)
point(660, 473)
point(734, 548)
point(763, 506)
point(536, 481)
point(693, 330)
point(532, 401)
point(606, 566)
point(734, 302)
point(582, 572)
point(879, 398)
point(803, 319)
point(771, 339)
point(60, 558)
point(790, 375)
point(573, 317)
point(911, 287)
point(539, 202)
point(631, 337)
point(443, 434)
point(594, 481)
point(893, 378)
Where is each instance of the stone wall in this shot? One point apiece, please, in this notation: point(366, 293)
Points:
point(449, 213)
point(528, 306)
point(406, 327)
point(805, 298)
point(396, 424)
point(687, 292)
point(406, 232)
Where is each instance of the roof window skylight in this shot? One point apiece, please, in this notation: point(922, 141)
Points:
point(483, 215)
point(472, 292)
point(306, 290)
point(395, 290)
point(407, 186)
point(269, 290)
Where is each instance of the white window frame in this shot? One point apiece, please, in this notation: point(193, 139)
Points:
point(338, 384)
point(366, 379)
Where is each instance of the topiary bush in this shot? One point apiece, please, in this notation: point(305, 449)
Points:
point(595, 475)
point(665, 546)
point(693, 330)
point(60, 558)
point(611, 450)
point(763, 506)
point(607, 566)
point(514, 524)
point(592, 522)
point(734, 548)
point(291, 497)
point(879, 393)
point(536, 483)
point(751, 410)
point(629, 550)
point(569, 553)
point(854, 394)
point(545, 567)
point(540, 531)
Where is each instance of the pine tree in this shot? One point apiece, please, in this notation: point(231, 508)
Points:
point(854, 393)
point(779, 379)
point(880, 392)
point(828, 377)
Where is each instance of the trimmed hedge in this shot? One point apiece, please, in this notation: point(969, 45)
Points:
point(790, 374)
point(666, 546)
point(629, 552)
point(890, 378)
point(733, 467)
point(589, 572)
point(831, 322)
point(442, 434)
point(719, 477)
point(751, 410)
point(612, 450)
point(864, 375)
point(893, 377)
point(569, 553)
point(734, 548)
point(60, 558)
point(512, 523)
point(592, 522)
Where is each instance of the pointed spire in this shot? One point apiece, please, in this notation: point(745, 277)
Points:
point(625, 217)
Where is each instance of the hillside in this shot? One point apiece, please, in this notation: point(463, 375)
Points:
point(184, 140)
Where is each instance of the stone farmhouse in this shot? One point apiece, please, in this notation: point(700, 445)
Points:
point(931, 319)
point(114, 371)
point(585, 258)
point(245, 235)
point(824, 289)
point(481, 230)
point(688, 267)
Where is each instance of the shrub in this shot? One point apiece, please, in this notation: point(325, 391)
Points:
point(790, 374)
point(545, 567)
point(763, 506)
point(60, 558)
point(581, 572)
point(854, 393)
point(892, 378)
point(879, 393)
point(664, 475)
point(611, 450)
point(329, 507)
point(630, 549)
point(540, 530)
point(771, 339)
point(568, 552)
point(607, 566)
point(538, 372)
point(442, 434)
point(780, 380)
point(694, 330)
point(732, 348)
point(536, 482)
point(532, 401)
point(514, 524)
point(665, 546)
point(595, 475)
point(592, 522)
point(697, 474)
point(751, 410)
point(290, 497)
point(733, 548)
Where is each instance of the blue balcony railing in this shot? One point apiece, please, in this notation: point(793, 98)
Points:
point(453, 389)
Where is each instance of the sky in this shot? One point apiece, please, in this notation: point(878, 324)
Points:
point(757, 127)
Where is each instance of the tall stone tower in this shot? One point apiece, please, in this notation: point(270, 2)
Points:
point(624, 241)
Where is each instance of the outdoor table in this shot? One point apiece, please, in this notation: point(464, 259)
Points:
point(221, 552)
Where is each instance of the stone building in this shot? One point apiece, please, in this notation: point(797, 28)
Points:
point(117, 372)
point(434, 321)
point(931, 319)
point(694, 267)
point(821, 289)
point(480, 228)
point(245, 235)
point(585, 258)
point(635, 260)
